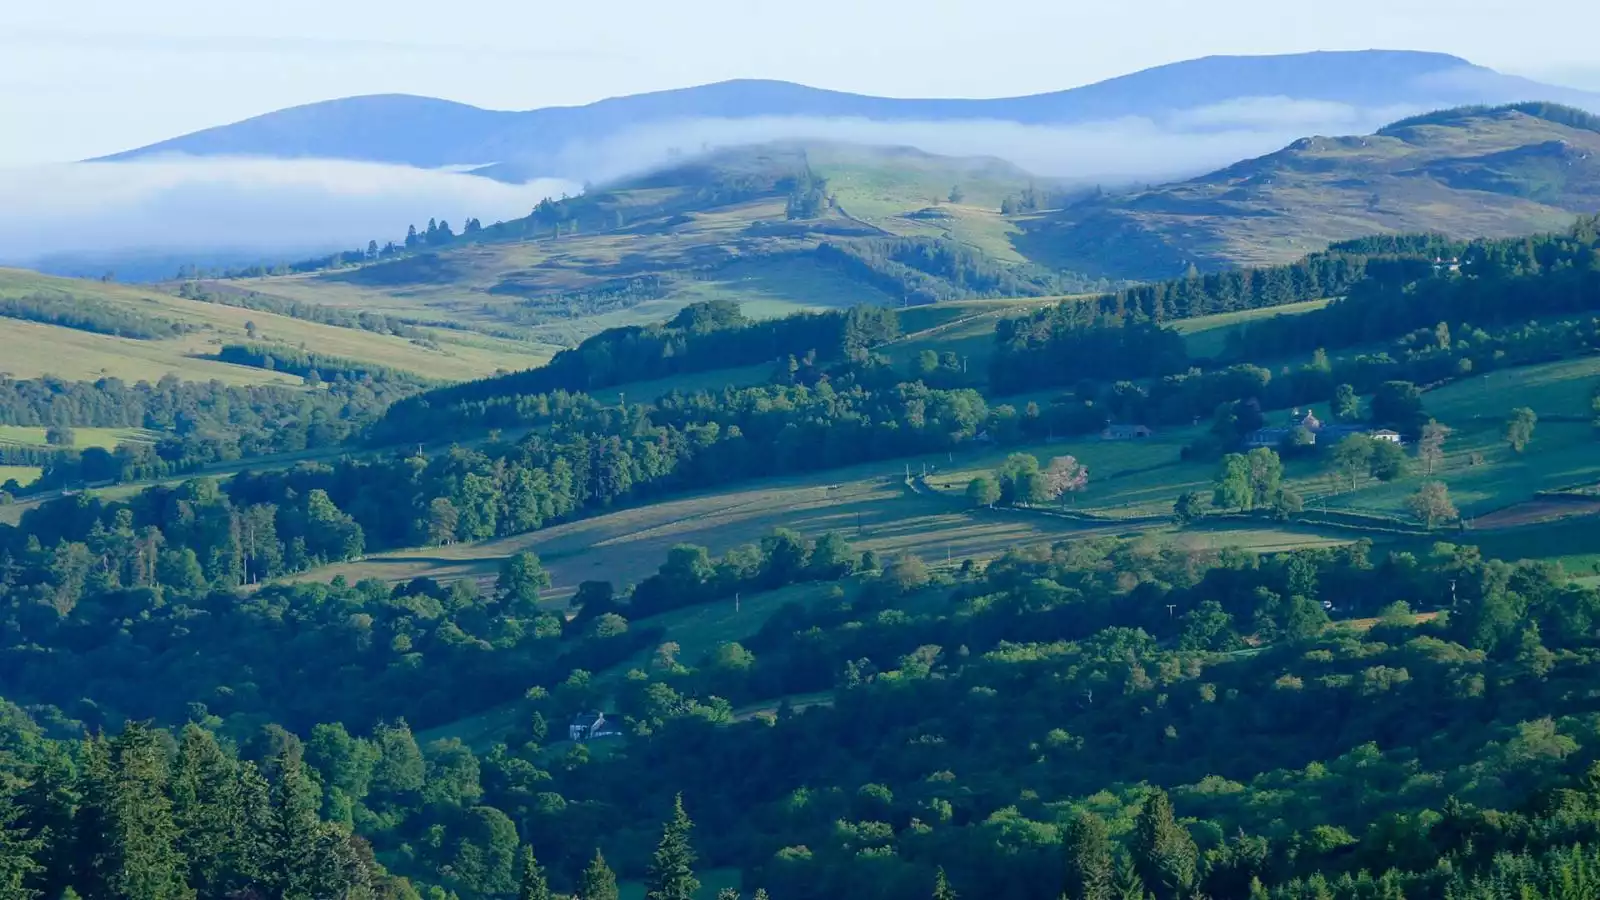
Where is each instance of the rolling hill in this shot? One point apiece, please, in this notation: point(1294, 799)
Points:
point(1466, 172)
point(426, 132)
point(883, 232)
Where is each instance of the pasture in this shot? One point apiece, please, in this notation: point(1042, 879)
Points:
point(31, 349)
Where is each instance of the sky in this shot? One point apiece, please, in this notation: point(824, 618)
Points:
point(84, 78)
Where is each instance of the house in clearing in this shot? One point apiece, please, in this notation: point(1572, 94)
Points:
point(591, 726)
point(1384, 434)
point(1126, 433)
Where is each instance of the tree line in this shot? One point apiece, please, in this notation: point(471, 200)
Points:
point(920, 270)
point(89, 314)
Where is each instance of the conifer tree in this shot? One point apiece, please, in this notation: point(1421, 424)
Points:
point(1164, 852)
point(1091, 867)
point(128, 841)
point(941, 886)
point(19, 854)
point(671, 872)
point(47, 807)
point(531, 881)
point(1128, 885)
point(202, 789)
point(598, 882)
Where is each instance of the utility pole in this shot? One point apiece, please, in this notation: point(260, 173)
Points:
point(1172, 610)
point(736, 602)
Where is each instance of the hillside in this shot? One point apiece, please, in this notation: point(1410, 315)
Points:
point(778, 227)
point(513, 146)
point(78, 329)
point(1467, 173)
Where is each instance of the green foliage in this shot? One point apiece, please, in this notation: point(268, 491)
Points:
point(983, 490)
point(1519, 428)
point(1090, 861)
point(671, 873)
point(1164, 854)
point(597, 882)
point(88, 314)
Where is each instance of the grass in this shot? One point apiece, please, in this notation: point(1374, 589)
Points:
point(485, 283)
point(83, 438)
point(23, 475)
point(30, 349)
point(1280, 207)
point(867, 503)
point(1206, 336)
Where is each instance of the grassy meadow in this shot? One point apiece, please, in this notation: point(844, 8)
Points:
point(31, 349)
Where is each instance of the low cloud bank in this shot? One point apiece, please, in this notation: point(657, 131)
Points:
point(211, 205)
point(1184, 143)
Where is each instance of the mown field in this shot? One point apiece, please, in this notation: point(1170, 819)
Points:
point(30, 349)
point(83, 438)
point(23, 475)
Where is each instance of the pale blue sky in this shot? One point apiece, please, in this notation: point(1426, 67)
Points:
point(88, 77)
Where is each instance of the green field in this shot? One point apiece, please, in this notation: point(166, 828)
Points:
point(23, 475)
point(1207, 336)
point(83, 438)
point(30, 349)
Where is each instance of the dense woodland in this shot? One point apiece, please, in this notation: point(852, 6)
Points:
point(196, 423)
point(1100, 720)
point(1495, 283)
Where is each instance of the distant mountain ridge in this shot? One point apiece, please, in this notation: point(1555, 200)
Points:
point(425, 132)
point(1467, 172)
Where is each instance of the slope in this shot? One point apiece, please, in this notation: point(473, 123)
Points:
point(747, 224)
point(84, 330)
point(1471, 172)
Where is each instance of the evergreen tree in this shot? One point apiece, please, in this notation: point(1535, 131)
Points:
point(941, 887)
point(19, 854)
point(597, 882)
point(1164, 853)
point(1091, 867)
point(202, 794)
point(1128, 885)
point(671, 872)
point(47, 807)
point(128, 842)
point(305, 857)
point(531, 881)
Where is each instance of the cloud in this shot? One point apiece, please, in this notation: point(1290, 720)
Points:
point(1133, 148)
point(218, 204)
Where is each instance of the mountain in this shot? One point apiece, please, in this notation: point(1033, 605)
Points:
point(1466, 172)
point(420, 131)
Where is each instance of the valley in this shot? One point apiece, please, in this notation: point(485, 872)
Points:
point(916, 524)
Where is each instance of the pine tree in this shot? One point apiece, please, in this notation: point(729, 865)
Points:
point(19, 854)
point(306, 859)
point(128, 841)
point(202, 788)
point(532, 884)
point(1164, 852)
point(1128, 885)
point(941, 887)
point(598, 882)
point(47, 807)
point(671, 872)
point(1091, 868)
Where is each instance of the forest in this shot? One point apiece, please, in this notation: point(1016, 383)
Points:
point(1495, 283)
point(197, 423)
point(1095, 720)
